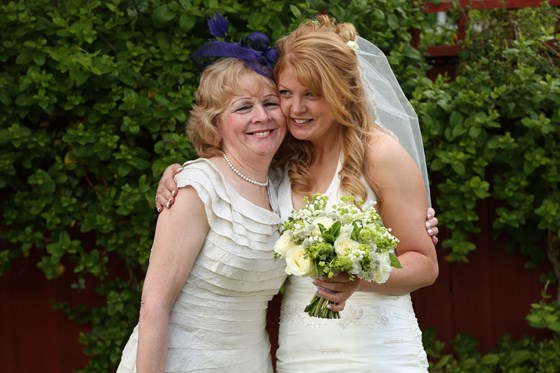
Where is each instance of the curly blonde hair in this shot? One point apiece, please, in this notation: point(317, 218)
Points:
point(323, 63)
point(218, 83)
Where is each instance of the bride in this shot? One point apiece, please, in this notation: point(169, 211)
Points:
point(325, 77)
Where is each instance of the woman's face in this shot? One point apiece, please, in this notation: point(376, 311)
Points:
point(252, 122)
point(308, 115)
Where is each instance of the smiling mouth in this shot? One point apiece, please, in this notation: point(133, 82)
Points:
point(261, 133)
point(301, 121)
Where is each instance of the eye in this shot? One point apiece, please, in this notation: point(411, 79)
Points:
point(243, 108)
point(271, 104)
point(284, 92)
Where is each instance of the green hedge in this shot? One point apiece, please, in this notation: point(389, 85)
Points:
point(493, 132)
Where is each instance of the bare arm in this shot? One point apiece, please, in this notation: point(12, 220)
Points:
point(179, 236)
point(403, 210)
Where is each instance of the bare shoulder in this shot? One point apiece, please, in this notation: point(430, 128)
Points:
point(188, 207)
point(385, 150)
point(188, 198)
point(391, 168)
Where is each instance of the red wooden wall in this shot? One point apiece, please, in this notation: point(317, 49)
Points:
point(486, 298)
point(33, 337)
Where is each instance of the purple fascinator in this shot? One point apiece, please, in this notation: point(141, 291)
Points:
point(254, 50)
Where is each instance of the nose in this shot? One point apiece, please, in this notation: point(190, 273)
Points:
point(296, 106)
point(261, 115)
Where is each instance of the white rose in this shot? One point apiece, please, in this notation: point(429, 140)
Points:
point(297, 264)
point(344, 245)
point(284, 244)
point(383, 269)
point(326, 222)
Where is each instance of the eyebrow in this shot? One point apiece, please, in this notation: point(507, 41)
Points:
point(241, 99)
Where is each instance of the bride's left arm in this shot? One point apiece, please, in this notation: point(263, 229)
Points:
point(403, 209)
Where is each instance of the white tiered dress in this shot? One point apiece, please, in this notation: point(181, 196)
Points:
point(376, 333)
point(218, 321)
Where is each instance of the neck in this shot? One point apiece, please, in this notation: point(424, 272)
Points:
point(328, 145)
point(326, 153)
point(253, 172)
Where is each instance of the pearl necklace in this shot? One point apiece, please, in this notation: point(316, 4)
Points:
point(265, 184)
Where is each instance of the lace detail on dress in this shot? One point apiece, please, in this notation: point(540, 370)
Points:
point(365, 315)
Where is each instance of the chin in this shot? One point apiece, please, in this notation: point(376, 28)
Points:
point(301, 137)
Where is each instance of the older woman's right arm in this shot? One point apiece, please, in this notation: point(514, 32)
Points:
point(179, 237)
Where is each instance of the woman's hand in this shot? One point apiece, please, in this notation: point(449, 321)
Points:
point(167, 188)
point(431, 225)
point(336, 290)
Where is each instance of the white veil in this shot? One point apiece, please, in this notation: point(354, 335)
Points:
point(389, 104)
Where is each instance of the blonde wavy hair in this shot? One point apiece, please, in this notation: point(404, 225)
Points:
point(218, 83)
point(317, 53)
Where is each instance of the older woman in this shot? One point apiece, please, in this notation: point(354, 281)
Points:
point(212, 270)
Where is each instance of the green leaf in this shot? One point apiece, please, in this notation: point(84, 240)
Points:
point(459, 168)
point(163, 14)
point(456, 119)
point(490, 359)
point(186, 23)
point(295, 11)
point(395, 262)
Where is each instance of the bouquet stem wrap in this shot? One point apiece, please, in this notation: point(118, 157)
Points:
point(318, 308)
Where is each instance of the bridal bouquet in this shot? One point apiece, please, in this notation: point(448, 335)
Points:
point(324, 240)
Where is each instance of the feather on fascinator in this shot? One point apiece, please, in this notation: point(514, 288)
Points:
point(254, 50)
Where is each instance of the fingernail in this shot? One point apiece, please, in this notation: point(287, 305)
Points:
point(329, 306)
point(159, 209)
point(168, 203)
point(430, 231)
point(173, 192)
point(428, 225)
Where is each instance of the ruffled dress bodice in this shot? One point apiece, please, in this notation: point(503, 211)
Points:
point(217, 323)
point(375, 333)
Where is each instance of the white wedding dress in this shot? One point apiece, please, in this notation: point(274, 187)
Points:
point(218, 321)
point(376, 333)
